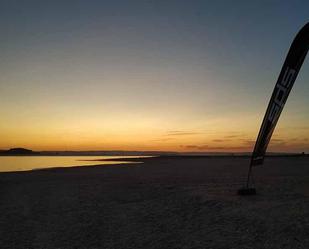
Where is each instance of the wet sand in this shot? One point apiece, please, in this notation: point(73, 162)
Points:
point(168, 202)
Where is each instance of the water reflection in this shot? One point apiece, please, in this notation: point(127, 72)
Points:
point(23, 163)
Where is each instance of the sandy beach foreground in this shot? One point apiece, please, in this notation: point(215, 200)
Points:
point(168, 202)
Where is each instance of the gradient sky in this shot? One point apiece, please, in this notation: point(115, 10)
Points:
point(148, 75)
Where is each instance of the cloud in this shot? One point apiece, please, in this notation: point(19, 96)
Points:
point(163, 139)
point(182, 133)
point(248, 142)
point(277, 140)
point(298, 127)
point(203, 147)
point(231, 136)
point(221, 140)
point(234, 134)
point(276, 144)
point(215, 148)
point(273, 142)
point(172, 135)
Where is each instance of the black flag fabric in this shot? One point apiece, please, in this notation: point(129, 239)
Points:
point(286, 79)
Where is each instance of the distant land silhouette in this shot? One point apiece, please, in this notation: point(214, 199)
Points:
point(18, 151)
point(29, 152)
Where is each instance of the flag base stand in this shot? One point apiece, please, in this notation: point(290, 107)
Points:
point(246, 191)
point(249, 188)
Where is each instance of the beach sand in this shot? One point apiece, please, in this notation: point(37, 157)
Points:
point(168, 202)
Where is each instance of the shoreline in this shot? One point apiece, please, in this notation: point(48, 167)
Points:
point(130, 161)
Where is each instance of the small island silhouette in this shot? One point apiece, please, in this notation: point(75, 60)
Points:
point(18, 152)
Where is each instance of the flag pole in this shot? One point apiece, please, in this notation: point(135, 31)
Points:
point(292, 64)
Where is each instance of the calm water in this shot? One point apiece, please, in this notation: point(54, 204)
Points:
point(22, 163)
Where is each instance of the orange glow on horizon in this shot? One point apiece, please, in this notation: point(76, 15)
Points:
point(150, 134)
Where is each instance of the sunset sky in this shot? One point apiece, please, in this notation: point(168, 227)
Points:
point(148, 75)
